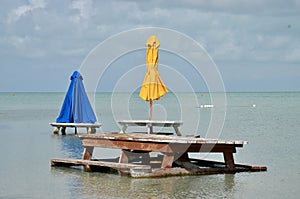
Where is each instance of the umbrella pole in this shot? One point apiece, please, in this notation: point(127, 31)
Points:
point(150, 109)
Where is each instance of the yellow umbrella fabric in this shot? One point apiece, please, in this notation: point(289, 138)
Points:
point(153, 87)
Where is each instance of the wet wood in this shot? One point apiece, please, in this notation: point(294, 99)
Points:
point(76, 162)
point(160, 138)
point(229, 161)
point(173, 158)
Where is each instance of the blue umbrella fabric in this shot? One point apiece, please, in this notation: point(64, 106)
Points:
point(76, 107)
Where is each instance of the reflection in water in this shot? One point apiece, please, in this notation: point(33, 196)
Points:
point(229, 182)
point(102, 185)
point(71, 145)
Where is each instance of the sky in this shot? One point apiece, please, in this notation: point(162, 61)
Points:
point(255, 44)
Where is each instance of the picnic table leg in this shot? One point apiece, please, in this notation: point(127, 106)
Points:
point(89, 130)
point(63, 130)
point(177, 130)
point(124, 158)
point(229, 161)
point(56, 130)
point(87, 155)
point(167, 160)
point(124, 127)
point(150, 128)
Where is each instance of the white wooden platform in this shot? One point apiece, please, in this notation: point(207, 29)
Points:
point(91, 127)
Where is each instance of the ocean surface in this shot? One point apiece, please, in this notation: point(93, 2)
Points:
point(268, 121)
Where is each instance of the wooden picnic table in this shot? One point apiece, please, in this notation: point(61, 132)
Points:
point(150, 124)
point(172, 147)
point(172, 155)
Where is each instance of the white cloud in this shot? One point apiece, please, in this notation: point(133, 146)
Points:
point(22, 10)
point(239, 32)
point(85, 9)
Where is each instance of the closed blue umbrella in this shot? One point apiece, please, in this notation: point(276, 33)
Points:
point(76, 107)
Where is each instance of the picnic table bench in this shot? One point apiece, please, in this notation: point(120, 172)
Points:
point(150, 124)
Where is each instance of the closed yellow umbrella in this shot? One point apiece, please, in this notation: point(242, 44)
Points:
point(153, 87)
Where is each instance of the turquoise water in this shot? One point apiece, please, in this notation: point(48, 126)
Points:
point(268, 121)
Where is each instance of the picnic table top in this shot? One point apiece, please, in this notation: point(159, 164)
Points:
point(142, 137)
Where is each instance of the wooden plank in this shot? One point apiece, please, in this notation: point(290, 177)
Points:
point(212, 148)
point(212, 163)
point(258, 168)
point(160, 138)
point(161, 172)
point(77, 162)
point(94, 125)
point(143, 171)
point(158, 147)
point(165, 172)
point(149, 122)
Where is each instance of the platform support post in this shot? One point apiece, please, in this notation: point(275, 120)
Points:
point(56, 131)
point(63, 130)
point(87, 155)
point(229, 161)
point(167, 160)
point(124, 158)
point(88, 130)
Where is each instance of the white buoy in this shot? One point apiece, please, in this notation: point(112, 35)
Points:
point(207, 106)
point(254, 105)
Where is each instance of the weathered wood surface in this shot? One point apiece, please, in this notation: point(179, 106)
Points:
point(202, 167)
point(212, 163)
point(172, 147)
point(160, 143)
point(135, 159)
point(77, 162)
point(140, 137)
point(150, 124)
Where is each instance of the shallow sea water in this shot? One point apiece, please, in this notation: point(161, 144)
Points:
point(27, 146)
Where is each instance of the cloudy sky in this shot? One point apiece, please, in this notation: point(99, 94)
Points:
point(255, 44)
